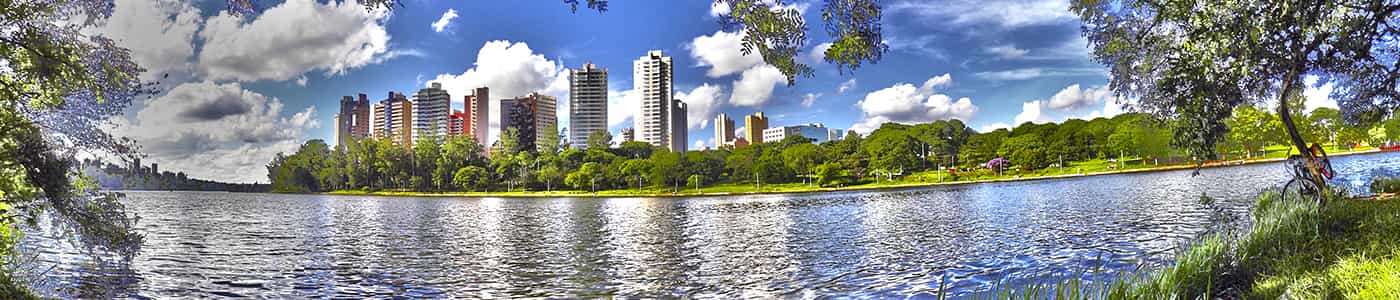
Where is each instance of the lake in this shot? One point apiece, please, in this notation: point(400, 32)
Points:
point(882, 244)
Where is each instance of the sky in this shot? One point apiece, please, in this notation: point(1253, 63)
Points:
point(236, 90)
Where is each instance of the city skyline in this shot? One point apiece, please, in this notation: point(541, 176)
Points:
point(992, 65)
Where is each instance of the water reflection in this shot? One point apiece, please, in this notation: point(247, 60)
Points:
point(872, 244)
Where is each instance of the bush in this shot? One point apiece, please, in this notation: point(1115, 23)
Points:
point(1385, 185)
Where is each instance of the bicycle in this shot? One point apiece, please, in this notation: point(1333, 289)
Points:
point(1305, 184)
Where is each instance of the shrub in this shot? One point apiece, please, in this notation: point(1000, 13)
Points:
point(1385, 185)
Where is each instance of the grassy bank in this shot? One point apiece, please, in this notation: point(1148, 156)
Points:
point(1349, 249)
point(927, 178)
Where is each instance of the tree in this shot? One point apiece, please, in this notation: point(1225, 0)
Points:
point(471, 178)
point(586, 178)
point(667, 167)
point(830, 173)
point(1252, 128)
point(891, 149)
point(1193, 65)
point(636, 168)
point(426, 153)
point(599, 139)
point(1327, 122)
point(802, 158)
point(1027, 151)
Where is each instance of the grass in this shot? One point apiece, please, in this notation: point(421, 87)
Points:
point(1349, 249)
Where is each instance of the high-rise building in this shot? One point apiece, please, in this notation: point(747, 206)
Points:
point(478, 114)
point(533, 117)
point(724, 130)
point(815, 132)
point(457, 123)
point(353, 119)
point(753, 127)
point(431, 106)
point(679, 134)
point(393, 119)
point(651, 78)
point(588, 103)
point(628, 134)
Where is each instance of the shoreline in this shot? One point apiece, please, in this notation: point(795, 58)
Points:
point(867, 187)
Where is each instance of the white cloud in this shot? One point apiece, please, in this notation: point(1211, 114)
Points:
point(510, 70)
point(1004, 13)
point(160, 34)
point(993, 127)
point(443, 21)
point(818, 54)
point(809, 99)
point(293, 38)
point(700, 144)
point(1317, 96)
point(721, 52)
point(622, 106)
point(1007, 51)
point(846, 86)
point(701, 103)
point(1072, 97)
point(904, 103)
point(1032, 112)
point(1017, 74)
point(718, 9)
point(301, 81)
point(755, 86)
point(216, 131)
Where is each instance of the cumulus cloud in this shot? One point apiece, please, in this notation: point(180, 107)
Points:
point(904, 103)
point(1032, 112)
point(160, 34)
point(442, 22)
point(293, 38)
point(846, 86)
point(721, 52)
point(510, 70)
point(701, 103)
point(756, 85)
point(1072, 97)
point(216, 131)
point(622, 106)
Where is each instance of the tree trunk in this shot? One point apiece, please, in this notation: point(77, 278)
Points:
point(1298, 143)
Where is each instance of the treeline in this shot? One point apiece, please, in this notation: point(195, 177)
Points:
point(456, 163)
point(114, 177)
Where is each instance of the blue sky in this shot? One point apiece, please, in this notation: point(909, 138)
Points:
point(264, 83)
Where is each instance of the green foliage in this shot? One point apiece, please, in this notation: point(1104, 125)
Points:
point(1387, 185)
point(1193, 62)
point(1026, 151)
point(471, 178)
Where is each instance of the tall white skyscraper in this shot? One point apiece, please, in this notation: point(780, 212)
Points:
point(651, 77)
point(588, 103)
point(431, 106)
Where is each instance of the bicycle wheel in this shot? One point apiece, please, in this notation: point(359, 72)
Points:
point(1302, 190)
point(1324, 164)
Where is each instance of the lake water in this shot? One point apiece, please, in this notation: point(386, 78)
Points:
point(860, 244)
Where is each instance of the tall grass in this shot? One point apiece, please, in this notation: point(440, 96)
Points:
point(1292, 249)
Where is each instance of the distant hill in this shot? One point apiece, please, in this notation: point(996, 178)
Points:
point(136, 177)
